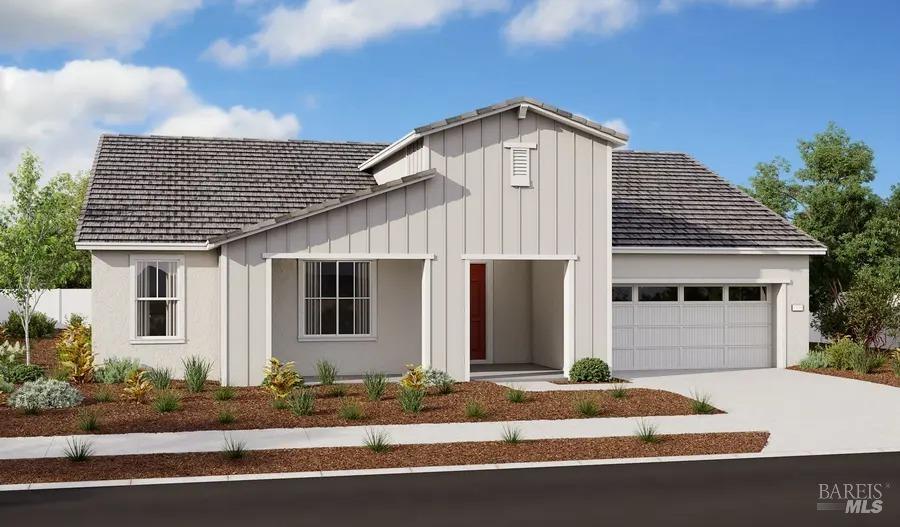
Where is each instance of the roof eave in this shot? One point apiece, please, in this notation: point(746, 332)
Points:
point(782, 251)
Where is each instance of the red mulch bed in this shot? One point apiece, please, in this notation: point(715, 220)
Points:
point(341, 458)
point(252, 408)
point(883, 375)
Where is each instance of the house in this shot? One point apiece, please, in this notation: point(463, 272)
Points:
point(515, 233)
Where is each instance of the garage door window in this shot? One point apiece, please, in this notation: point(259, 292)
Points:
point(747, 294)
point(621, 294)
point(703, 294)
point(658, 294)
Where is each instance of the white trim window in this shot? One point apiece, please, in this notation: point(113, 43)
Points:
point(157, 289)
point(337, 300)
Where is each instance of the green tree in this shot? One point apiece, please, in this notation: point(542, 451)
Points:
point(772, 187)
point(870, 309)
point(36, 238)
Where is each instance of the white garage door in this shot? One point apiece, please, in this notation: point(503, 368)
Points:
point(660, 327)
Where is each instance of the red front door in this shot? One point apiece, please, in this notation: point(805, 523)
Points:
point(477, 317)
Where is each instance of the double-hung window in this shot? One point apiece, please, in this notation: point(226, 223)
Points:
point(337, 299)
point(158, 289)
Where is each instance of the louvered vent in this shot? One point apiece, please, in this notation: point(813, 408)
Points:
point(521, 171)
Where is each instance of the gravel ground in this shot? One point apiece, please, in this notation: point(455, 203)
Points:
point(883, 375)
point(316, 459)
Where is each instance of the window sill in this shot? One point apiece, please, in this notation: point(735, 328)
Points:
point(336, 338)
point(173, 340)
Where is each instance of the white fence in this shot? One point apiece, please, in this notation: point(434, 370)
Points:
point(57, 304)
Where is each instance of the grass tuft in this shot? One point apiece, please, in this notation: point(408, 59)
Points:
point(104, 395)
point(160, 378)
point(327, 372)
point(647, 432)
point(224, 393)
point(226, 417)
point(87, 420)
point(337, 390)
point(587, 407)
point(350, 411)
point(511, 435)
point(700, 403)
point(234, 449)
point(516, 395)
point(474, 410)
point(196, 370)
point(375, 385)
point(378, 441)
point(412, 400)
point(78, 449)
point(280, 404)
point(167, 402)
point(302, 402)
point(618, 391)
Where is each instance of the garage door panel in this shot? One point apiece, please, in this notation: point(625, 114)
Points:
point(656, 358)
point(702, 337)
point(623, 315)
point(747, 357)
point(623, 337)
point(657, 315)
point(748, 336)
point(623, 358)
point(744, 314)
point(703, 315)
point(656, 336)
point(701, 358)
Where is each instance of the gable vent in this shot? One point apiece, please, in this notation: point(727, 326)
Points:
point(521, 169)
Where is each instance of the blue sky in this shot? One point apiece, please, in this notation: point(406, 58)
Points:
point(732, 82)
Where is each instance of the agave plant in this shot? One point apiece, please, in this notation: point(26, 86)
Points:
point(281, 378)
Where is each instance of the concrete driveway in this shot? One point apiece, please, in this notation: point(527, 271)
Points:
point(805, 412)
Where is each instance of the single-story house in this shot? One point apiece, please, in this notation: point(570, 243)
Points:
point(513, 234)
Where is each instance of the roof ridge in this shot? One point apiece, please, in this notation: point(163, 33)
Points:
point(242, 139)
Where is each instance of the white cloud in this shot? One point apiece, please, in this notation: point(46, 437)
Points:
point(121, 26)
point(60, 113)
point(227, 54)
point(289, 33)
point(618, 124)
point(551, 21)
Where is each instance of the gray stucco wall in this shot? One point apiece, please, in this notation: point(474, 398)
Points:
point(633, 268)
point(398, 334)
point(111, 308)
point(547, 314)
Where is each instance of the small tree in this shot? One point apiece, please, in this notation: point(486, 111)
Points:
point(872, 305)
point(35, 240)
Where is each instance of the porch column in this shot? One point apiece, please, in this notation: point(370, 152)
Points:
point(568, 317)
point(781, 320)
point(426, 313)
point(268, 309)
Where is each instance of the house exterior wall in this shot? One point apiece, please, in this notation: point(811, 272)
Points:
point(397, 340)
point(546, 314)
point(773, 269)
point(468, 208)
point(511, 311)
point(111, 307)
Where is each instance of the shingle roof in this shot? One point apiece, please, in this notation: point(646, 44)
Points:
point(188, 189)
point(669, 199)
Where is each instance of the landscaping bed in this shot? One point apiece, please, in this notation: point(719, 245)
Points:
point(252, 409)
point(341, 458)
point(881, 375)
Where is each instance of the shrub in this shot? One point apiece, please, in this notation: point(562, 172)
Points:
point(440, 380)
point(511, 435)
point(302, 402)
point(327, 372)
point(516, 395)
point(166, 402)
point(160, 378)
point(589, 369)
point(74, 319)
point(814, 360)
point(350, 411)
point(337, 390)
point(11, 353)
point(196, 370)
point(474, 410)
point(6, 386)
point(137, 387)
point(19, 373)
point(280, 404)
point(700, 403)
point(375, 385)
point(280, 379)
point(87, 420)
point(224, 393)
point(78, 449)
point(40, 326)
point(377, 441)
point(647, 432)
point(862, 361)
point(618, 391)
point(115, 370)
point(587, 407)
point(234, 449)
point(104, 395)
point(412, 400)
point(76, 357)
point(45, 393)
point(226, 417)
point(414, 378)
point(837, 354)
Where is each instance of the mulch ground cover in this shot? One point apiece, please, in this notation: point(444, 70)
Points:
point(341, 458)
point(883, 375)
point(252, 409)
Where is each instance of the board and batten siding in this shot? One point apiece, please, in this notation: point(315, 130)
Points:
point(469, 207)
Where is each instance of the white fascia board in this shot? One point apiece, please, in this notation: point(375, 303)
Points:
point(347, 256)
point(389, 151)
point(136, 246)
point(477, 257)
point(785, 251)
point(578, 126)
point(702, 281)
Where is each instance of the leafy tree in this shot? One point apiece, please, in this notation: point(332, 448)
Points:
point(36, 238)
point(870, 309)
point(772, 190)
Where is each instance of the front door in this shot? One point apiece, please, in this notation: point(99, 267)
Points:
point(478, 317)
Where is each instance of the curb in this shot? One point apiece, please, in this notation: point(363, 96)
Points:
point(418, 470)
